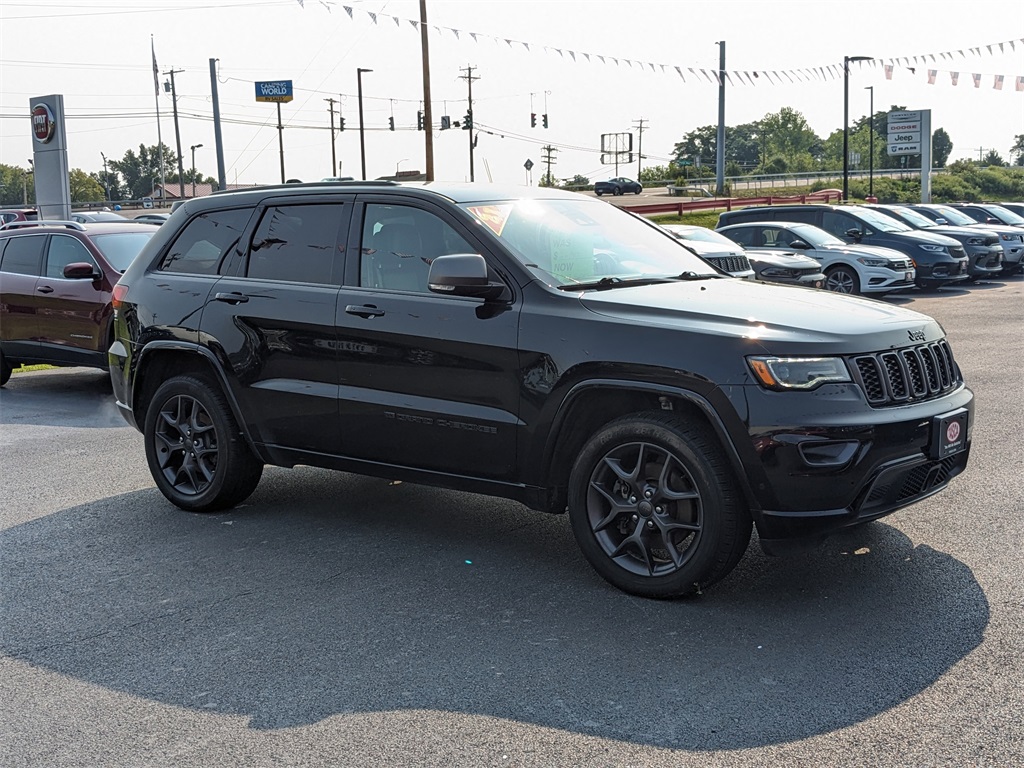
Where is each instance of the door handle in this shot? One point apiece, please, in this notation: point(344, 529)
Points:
point(44, 289)
point(231, 298)
point(366, 310)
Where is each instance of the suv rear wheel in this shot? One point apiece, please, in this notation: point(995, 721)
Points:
point(5, 370)
point(195, 450)
point(654, 507)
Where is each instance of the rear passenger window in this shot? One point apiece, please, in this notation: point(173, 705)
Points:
point(298, 243)
point(23, 255)
point(204, 242)
point(65, 250)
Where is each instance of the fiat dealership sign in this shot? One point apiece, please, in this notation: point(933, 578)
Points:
point(43, 124)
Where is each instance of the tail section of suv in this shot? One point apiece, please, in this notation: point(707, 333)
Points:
point(533, 344)
point(938, 260)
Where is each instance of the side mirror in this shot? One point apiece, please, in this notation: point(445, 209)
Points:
point(991, 220)
point(941, 220)
point(462, 274)
point(81, 270)
point(799, 245)
point(855, 234)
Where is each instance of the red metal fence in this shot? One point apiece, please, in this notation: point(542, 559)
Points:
point(728, 203)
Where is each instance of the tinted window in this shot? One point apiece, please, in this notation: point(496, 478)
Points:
point(838, 223)
point(744, 237)
point(399, 242)
point(65, 250)
point(23, 254)
point(298, 243)
point(803, 216)
point(121, 248)
point(204, 241)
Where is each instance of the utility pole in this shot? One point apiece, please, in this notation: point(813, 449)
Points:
point(640, 145)
point(221, 175)
point(334, 159)
point(177, 133)
point(549, 160)
point(720, 136)
point(469, 78)
point(106, 179)
point(428, 118)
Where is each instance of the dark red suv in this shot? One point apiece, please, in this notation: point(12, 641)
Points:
point(55, 284)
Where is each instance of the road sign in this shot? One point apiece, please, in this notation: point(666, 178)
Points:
point(274, 90)
point(905, 149)
point(528, 164)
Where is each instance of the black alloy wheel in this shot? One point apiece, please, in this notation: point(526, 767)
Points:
point(842, 280)
point(618, 191)
point(654, 507)
point(196, 453)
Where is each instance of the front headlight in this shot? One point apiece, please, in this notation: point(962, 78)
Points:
point(1011, 238)
point(800, 373)
point(975, 241)
point(874, 262)
point(779, 272)
point(933, 248)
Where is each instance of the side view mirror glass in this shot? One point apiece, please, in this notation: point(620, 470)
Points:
point(462, 274)
point(81, 270)
point(800, 245)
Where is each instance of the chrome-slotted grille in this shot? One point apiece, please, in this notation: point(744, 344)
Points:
point(914, 373)
point(730, 263)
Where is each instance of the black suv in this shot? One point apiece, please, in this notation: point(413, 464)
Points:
point(939, 260)
point(534, 344)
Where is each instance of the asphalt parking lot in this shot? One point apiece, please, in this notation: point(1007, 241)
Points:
point(338, 620)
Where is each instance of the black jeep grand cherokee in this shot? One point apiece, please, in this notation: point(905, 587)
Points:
point(533, 344)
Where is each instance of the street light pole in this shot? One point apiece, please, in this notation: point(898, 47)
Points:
point(871, 141)
point(362, 139)
point(194, 147)
point(846, 121)
point(403, 160)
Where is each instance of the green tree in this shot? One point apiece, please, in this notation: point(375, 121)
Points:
point(1017, 150)
point(16, 186)
point(786, 134)
point(993, 158)
point(942, 147)
point(84, 188)
point(142, 171)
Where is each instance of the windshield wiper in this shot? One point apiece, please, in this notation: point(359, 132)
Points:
point(691, 275)
point(613, 282)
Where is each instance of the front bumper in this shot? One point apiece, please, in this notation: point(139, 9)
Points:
point(850, 462)
point(984, 261)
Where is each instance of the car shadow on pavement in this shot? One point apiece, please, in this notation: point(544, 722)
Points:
point(329, 594)
point(66, 397)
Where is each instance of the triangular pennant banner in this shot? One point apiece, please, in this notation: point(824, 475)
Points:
point(954, 77)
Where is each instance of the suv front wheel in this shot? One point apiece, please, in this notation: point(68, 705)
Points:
point(195, 450)
point(654, 507)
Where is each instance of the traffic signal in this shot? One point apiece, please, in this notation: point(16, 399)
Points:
point(419, 120)
point(467, 121)
point(544, 120)
point(341, 123)
point(533, 119)
point(391, 124)
point(446, 122)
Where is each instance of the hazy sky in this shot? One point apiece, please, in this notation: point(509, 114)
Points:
point(594, 67)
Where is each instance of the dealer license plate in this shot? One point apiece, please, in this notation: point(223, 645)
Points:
point(949, 433)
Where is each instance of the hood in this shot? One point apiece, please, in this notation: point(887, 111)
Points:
point(920, 236)
point(853, 250)
point(778, 319)
point(958, 233)
point(786, 259)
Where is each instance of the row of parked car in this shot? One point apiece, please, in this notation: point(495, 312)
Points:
point(870, 249)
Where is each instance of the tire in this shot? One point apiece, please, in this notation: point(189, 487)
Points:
point(639, 190)
point(195, 450)
point(6, 369)
point(598, 192)
point(842, 279)
point(617, 191)
point(655, 508)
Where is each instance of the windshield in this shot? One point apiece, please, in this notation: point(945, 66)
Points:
point(584, 241)
point(1005, 215)
point(953, 216)
point(913, 217)
point(815, 237)
point(121, 248)
point(880, 222)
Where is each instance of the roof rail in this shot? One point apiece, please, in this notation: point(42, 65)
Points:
point(301, 184)
point(43, 223)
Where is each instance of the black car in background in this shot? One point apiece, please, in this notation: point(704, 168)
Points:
point(938, 260)
point(534, 344)
point(56, 280)
point(618, 186)
point(983, 249)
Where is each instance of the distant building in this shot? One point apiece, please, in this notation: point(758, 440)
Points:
point(173, 190)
